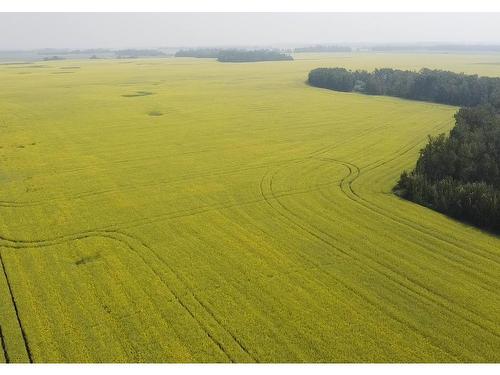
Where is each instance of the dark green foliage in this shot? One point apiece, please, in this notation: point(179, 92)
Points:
point(237, 55)
point(476, 202)
point(338, 79)
point(471, 152)
point(427, 85)
point(459, 175)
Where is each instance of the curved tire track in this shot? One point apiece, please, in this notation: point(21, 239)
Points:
point(362, 296)
point(320, 234)
point(126, 240)
point(16, 310)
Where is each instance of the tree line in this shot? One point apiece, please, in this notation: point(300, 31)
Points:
point(323, 48)
point(459, 174)
point(235, 55)
point(436, 48)
point(132, 53)
point(456, 174)
point(436, 86)
point(198, 52)
point(238, 55)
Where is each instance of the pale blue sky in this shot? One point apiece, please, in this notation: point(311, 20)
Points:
point(118, 30)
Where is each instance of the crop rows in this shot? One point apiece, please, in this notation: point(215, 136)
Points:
point(252, 221)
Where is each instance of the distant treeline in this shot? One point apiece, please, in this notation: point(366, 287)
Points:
point(235, 55)
point(323, 48)
point(438, 48)
point(238, 55)
point(131, 52)
point(126, 53)
point(53, 51)
point(459, 174)
point(198, 52)
point(53, 58)
point(428, 85)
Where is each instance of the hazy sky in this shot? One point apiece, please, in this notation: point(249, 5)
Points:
point(118, 30)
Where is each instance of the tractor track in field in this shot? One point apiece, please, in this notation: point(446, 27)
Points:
point(133, 187)
point(125, 188)
point(407, 148)
point(330, 244)
point(413, 280)
point(356, 171)
point(165, 182)
point(351, 289)
point(411, 224)
point(467, 269)
point(184, 283)
point(412, 290)
point(16, 310)
point(152, 219)
point(321, 267)
point(417, 284)
point(399, 153)
point(352, 167)
point(176, 296)
point(109, 235)
point(4, 347)
point(271, 198)
point(125, 239)
point(107, 232)
point(424, 230)
point(128, 188)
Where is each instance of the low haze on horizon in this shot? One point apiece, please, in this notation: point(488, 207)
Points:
point(22, 31)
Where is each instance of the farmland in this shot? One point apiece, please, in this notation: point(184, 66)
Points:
point(185, 210)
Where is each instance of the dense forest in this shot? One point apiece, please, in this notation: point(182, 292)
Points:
point(324, 48)
point(436, 86)
point(458, 174)
point(238, 55)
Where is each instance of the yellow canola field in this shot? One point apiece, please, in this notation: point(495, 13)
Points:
point(185, 210)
